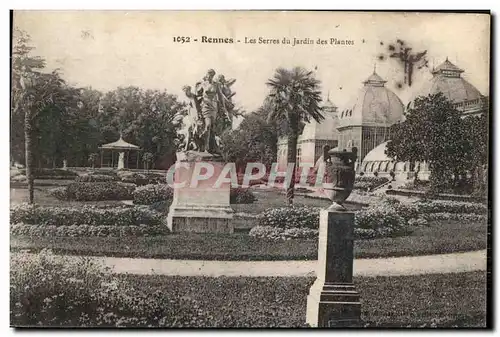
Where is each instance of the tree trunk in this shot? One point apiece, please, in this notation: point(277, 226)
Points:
point(28, 145)
point(292, 156)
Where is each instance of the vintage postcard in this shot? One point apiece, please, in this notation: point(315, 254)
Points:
point(250, 169)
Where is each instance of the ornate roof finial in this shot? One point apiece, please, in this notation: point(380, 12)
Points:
point(328, 96)
point(447, 58)
point(374, 68)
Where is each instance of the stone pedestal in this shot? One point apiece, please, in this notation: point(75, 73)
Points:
point(201, 209)
point(333, 300)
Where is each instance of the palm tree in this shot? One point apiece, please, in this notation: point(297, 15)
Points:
point(294, 97)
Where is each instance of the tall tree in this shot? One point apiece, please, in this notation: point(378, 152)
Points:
point(294, 96)
point(434, 132)
point(32, 92)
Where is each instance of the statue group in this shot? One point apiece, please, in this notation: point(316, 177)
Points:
point(210, 112)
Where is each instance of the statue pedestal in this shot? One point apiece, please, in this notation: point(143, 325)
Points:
point(333, 300)
point(204, 208)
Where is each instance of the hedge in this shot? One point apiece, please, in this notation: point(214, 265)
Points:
point(152, 193)
point(88, 231)
point(241, 196)
point(45, 173)
point(368, 183)
point(98, 191)
point(87, 215)
point(96, 178)
point(448, 206)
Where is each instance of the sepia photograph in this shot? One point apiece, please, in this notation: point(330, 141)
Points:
point(250, 169)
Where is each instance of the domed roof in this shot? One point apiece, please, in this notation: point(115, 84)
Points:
point(327, 128)
point(374, 105)
point(447, 80)
point(378, 154)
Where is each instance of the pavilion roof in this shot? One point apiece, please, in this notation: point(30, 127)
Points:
point(121, 145)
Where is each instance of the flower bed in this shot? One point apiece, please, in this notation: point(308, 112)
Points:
point(457, 216)
point(94, 191)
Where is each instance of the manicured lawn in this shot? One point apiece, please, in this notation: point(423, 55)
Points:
point(440, 237)
point(409, 301)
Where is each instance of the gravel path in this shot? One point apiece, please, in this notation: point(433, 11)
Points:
point(431, 264)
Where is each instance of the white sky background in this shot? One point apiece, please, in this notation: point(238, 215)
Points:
point(136, 48)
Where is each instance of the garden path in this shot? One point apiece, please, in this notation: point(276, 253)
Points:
point(396, 266)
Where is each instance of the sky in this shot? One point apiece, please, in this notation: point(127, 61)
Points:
point(107, 49)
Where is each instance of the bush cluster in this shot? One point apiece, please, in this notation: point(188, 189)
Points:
point(290, 217)
point(447, 206)
point(277, 233)
point(152, 193)
point(365, 183)
point(98, 191)
point(96, 178)
point(241, 196)
point(46, 173)
point(56, 291)
point(456, 216)
point(86, 215)
point(88, 230)
point(141, 179)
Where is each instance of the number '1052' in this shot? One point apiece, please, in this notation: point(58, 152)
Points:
point(182, 39)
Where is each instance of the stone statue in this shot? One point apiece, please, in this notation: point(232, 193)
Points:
point(210, 106)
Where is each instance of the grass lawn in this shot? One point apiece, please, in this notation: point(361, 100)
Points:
point(440, 237)
point(409, 301)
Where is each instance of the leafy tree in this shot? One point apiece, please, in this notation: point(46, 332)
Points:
point(33, 92)
point(255, 140)
point(294, 96)
point(433, 131)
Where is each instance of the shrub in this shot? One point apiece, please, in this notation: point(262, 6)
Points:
point(141, 179)
point(418, 222)
point(87, 215)
point(276, 233)
point(152, 193)
point(290, 217)
point(456, 216)
point(45, 173)
point(241, 196)
point(58, 291)
point(59, 193)
point(367, 183)
point(104, 172)
point(98, 191)
point(88, 231)
point(446, 206)
point(95, 178)
point(380, 220)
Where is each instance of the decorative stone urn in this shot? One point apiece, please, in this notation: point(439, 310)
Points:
point(339, 176)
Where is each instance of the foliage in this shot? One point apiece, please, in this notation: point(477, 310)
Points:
point(141, 179)
point(46, 173)
point(88, 230)
point(147, 159)
point(87, 215)
point(59, 193)
point(255, 140)
point(290, 217)
point(98, 191)
point(446, 206)
point(457, 216)
point(278, 233)
point(294, 97)
point(152, 193)
point(368, 183)
point(95, 178)
point(241, 196)
point(55, 291)
point(435, 132)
